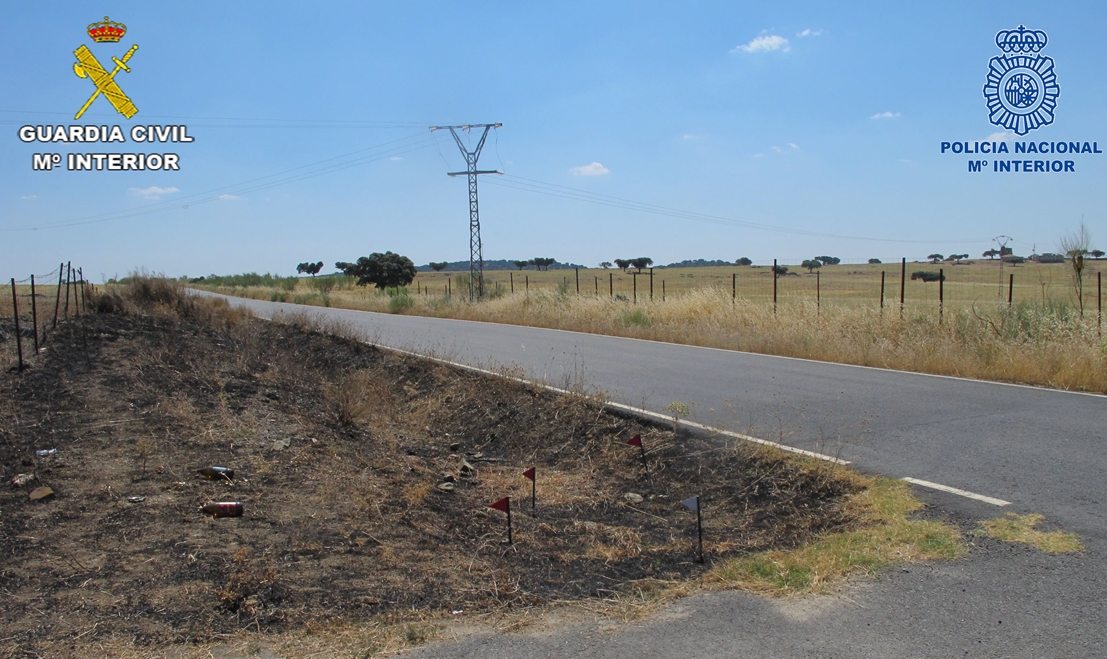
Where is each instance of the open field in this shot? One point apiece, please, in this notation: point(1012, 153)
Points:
point(348, 545)
point(977, 281)
point(1041, 339)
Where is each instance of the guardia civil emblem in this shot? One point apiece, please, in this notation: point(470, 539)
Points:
point(87, 66)
point(1022, 86)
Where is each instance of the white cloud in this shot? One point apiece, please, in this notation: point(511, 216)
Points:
point(152, 192)
point(886, 115)
point(690, 136)
point(809, 33)
point(396, 158)
point(595, 169)
point(1005, 136)
point(759, 155)
point(794, 146)
point(770, 42)
point(29, 196)
point(778, 149)
point(229, 197)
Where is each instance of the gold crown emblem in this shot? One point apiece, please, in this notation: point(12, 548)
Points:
point(107, 31)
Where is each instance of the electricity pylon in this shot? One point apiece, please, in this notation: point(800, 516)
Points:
point(476, 253)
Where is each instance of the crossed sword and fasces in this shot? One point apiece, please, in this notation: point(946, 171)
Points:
point(87, 66)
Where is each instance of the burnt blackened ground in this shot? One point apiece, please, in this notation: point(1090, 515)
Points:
point(338, 450)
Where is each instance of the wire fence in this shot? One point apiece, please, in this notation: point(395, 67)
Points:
point(34, 306)
point(913, 286)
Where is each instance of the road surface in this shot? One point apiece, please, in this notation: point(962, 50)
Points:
point(1041, 450)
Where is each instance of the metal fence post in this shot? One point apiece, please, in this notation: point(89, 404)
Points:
point(57, 301)
point(511, 276)
point(733, 288)
point(634, 276)
point(578, 280)
point(662, 290)
point(651, 283)
point(34, 312)
point(68, 280)
point(18, 336)
point(1099, 302)
point(1010, 289)
point(611, 284)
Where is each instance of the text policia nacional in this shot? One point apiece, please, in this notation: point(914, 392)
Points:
point(1033, 161)
point(120, 162)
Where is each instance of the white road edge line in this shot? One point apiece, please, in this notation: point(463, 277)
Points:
point(636, 410)
point(954, 490)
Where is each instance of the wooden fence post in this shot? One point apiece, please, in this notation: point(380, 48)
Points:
point(941, 294)
point(881, 292)
point(818, 293)
point(1010, 289)
point(733, 288)
point(902, 285)
point(634, 276)
point(611, 284)
point(511, 275)
point(774, 286)
point(578, 279)
point(651, 283)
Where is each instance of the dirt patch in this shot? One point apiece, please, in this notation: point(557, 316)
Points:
point(339, 450)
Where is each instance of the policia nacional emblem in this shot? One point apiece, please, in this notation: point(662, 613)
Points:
point(87, 66)
point(1022, 86)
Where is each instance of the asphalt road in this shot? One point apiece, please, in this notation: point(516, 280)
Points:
point(1042, 450)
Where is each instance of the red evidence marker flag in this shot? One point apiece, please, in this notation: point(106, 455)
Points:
point(504, 504)
point(637, 441)
point(529, 473)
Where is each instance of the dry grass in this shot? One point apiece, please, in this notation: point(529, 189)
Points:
point(1020, 528)
point(1029, 343)
point(888, 536)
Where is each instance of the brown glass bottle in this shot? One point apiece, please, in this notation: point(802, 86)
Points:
point(215, 473)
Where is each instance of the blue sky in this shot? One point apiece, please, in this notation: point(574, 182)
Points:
point(796, 128)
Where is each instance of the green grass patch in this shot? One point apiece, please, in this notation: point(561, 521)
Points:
point(887, 537)
point(1020, 528)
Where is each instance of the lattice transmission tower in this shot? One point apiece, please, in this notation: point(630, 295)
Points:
point(476, 254)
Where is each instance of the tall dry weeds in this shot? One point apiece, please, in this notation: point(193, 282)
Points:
point(1029, 343)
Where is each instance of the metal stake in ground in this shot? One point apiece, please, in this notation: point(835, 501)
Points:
point(504, 504)
point(530, 473)
point(693, 503)
point(637, 441)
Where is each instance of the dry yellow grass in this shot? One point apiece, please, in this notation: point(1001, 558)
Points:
point(1020, 528)
point(1028, 343)
point(888, 536)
